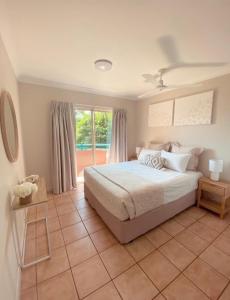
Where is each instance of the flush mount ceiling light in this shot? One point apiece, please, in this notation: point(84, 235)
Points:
point(103, 65)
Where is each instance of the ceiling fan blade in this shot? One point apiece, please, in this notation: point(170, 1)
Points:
point(147, 94)
point(201, 65)
point(168, 47)
point(183, 86)
point(150, 77)
point(183, 65)
point(161, 89)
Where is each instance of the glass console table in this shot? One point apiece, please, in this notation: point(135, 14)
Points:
point(39, 198)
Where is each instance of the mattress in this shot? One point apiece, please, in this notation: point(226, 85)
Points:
point(174, 184)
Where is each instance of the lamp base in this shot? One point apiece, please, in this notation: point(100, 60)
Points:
point(215, 176)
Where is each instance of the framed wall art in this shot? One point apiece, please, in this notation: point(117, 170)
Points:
point(161, 114)
point(194, 110)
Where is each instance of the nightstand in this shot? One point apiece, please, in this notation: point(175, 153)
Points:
point(218, 189)
point(134, 157)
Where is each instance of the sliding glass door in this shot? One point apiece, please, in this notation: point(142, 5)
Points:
point(93, 138)
point(102, 136)
point(84, 138)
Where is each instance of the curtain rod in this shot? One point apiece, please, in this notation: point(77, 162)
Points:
point(92, 107)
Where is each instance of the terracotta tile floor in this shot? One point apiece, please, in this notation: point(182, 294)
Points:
point(187, 257)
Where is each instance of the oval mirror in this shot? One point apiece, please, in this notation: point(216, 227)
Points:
point(9, 126)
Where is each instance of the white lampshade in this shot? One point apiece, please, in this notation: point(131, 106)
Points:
point(216, 165)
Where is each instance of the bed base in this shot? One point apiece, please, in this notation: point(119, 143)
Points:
point(126, 231)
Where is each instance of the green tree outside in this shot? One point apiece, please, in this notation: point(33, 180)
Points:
point(103, 129)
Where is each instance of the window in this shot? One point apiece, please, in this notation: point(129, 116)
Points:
point(93, 138)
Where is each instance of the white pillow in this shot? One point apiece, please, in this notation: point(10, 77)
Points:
point(195, 153)
point(145, 152)
point(175, 161)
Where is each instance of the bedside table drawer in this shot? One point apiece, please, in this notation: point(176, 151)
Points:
point(212, 189)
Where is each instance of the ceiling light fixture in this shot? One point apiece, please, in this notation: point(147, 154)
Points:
point(103, 65)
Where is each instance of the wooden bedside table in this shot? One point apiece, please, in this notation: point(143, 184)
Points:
point(217, 188)
point(134, 157)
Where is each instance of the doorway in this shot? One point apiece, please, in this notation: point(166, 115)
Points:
point(93, 130)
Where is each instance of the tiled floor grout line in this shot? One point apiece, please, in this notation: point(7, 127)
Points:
point(102, 263)
point(112, 279)
point(150, 278)
point(209, 244)
point(174, 264)
point(95, 245)
point(91, 257)
point(83, 261)
point(197, 256)
point(51, 277)
point(195, 283)
point(180, 272)
point(172, 237)
point(228, 285)
point(36, 276)
point(157, 247)
point(69, 269)
point(137, 262)
point(221, 249)
point(72, 274)
point(64, 246)
point(134, 260)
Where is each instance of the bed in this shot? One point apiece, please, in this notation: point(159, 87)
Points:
point(133, 198)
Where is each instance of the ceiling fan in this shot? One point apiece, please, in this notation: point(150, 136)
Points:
point(169, 48)
point(161, 85)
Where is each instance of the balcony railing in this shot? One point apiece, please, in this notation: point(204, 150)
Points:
point(90, 146)
point(84, 156)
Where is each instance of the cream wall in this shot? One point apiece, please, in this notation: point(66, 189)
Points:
point(35, 102)
point(215, 138)
point(10, 173)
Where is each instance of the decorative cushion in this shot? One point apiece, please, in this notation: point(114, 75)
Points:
point(195, 153)
point(176, 161)
point(159, 147)
point(145, 152)
point(154, 161)
point(175, 143)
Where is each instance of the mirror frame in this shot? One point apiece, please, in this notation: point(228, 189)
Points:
point(5, 96)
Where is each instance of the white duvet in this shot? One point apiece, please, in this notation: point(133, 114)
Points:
point(174, 184)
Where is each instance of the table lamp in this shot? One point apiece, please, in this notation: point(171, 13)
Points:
point(215, 167)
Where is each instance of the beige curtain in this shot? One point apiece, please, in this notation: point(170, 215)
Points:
point(119, 137)
point(63, 147)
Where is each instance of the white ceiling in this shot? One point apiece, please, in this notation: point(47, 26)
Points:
point(56, 41)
